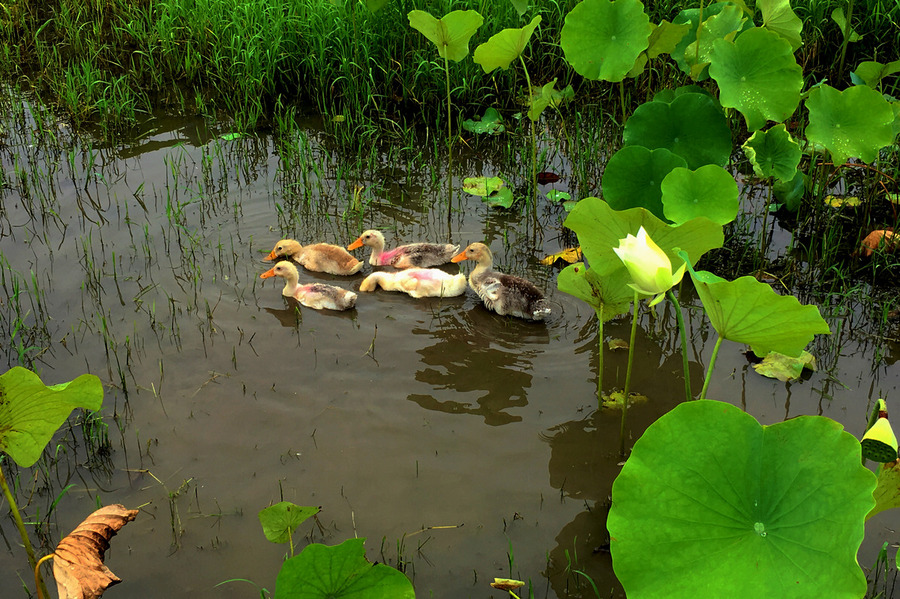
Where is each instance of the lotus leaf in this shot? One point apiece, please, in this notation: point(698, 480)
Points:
point(723, 26)
point(602, 39)
point(491, 123)
point(31, 412)
point(856, 122)
point(633, 177)
point(541, 100)
point(609, 295)
point(502, 198)
point(871, 73)
point(279, 521)
point(778, 17)
point(599, 229)
point(482, 186)
point(451, 33)
point(790, 193)
point(785, 368)
point(724, 507)
point(887, 493)
point(758, 75)
point(341, 572)
point(748, 311)
point(663, 40)
point(773, 153)
point(837, 15)
point(691, 126)
point(504, 47)
point(708, 191)
point(691, 17)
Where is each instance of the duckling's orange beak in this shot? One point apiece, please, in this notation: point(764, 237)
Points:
point(269, 273)
point(272, 256)
point(459, 257)
point(356, 244)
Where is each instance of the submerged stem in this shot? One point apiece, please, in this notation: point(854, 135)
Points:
point(634, 319)
point(684, 355)
point(709, 369)
point(449, 136)
point(600, 359)
point(20, 525)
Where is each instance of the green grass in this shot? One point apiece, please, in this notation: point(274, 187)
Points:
point(115, 61)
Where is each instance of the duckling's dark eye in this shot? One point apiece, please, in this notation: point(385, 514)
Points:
point(280, 247)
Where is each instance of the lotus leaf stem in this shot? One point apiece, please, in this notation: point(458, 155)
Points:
point(17, 518)
point(712, 363)
point(684, 353)
point(634, 320)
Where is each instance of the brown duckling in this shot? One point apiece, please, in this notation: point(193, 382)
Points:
point(502, 293)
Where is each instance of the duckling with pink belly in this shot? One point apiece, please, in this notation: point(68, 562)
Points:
point(413, 255)
point(318, 257)
point(417, 282)
point(317, 295)
point(502, 293)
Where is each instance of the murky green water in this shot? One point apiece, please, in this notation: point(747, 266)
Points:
point(140, 263)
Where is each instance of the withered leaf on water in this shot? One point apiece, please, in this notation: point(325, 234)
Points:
point(570, 255)
point(78, 559)
point(545, 177)
point(507, 584)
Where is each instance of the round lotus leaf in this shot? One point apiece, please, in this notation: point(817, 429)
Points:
point(323, 572)
point(856, 122)
point(773, 153)
point(723, 26)
point(450, 34)
point(691, 126)
point(633, 177)
point(712, 504)
point(504, 47)
point(602, 39)
point(758, 75)
point(709, 191)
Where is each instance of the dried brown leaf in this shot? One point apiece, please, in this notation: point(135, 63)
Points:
point(78, 559)
point(880, 238)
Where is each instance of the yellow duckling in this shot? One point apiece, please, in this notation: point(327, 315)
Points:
point(417, 282)
point(318, 257)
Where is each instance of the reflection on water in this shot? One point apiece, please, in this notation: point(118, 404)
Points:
point(479, 354)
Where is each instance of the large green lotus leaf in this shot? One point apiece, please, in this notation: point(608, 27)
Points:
point(504, 47)
point(719, 506)
point(758, 75)
point(871, 73)
point(748, 311)
point(600, 228)
point(856, 122)
point(451, 33)
point(609, 295)
point(633, 177)
point(895, 106)
point(723, 26)
point(887, 493)
point(602, 39)
point(691, 126)
point(30, 412)
point(691, 17)
point(708, 191)
point(279, 521)
point(341, 572)
point(773, 153)
point(778, 17)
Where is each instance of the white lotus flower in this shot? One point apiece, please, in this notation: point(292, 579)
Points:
point(649, 266)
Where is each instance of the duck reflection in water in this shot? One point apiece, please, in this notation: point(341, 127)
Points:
point(481, 356)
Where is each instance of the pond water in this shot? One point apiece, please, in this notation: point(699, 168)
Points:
point(462, 445)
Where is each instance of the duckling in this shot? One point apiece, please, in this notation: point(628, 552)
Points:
point(420, 255)
point(316, 295)
point(318, 257)
point(502, 293)
point(417, 282)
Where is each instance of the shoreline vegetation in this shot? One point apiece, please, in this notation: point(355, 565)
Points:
point(359, 64)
